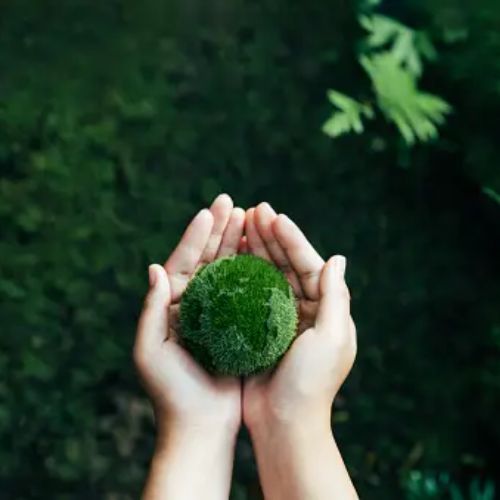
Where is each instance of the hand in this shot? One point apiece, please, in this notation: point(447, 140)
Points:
point(197, 415)
point(312, 371)
point(288, 411)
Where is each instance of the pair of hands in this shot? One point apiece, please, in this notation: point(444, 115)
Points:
point(301, 389)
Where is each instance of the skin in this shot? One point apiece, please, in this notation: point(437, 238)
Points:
point(288, 410)
point(197, 416)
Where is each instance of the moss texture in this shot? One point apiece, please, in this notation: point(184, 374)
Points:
point(238, 315)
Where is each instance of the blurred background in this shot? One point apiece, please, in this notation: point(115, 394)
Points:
point(373, 124)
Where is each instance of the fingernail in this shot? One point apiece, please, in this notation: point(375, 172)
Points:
point(153, 276)
point(285, 219)
point(239, 211)
point(222, 196)
point(339, 262)
point(202, 213)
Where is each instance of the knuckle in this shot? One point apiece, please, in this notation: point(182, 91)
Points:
point(344, 291)
point(341, 292)
point(285, 267)
point(310, 274)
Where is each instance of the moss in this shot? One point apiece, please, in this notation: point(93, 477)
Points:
point(238, 315)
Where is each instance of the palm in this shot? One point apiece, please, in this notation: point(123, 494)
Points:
point(198, 387)
point(211, 397)
point(279, 240)
point(206, 239)
point(307, 310)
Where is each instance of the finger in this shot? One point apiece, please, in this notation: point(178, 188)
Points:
point(303, 258)
point(221, 210)
point(173, 322)
point(183, 261)
point(334, 306)
point(308, 310)
point(264, 217)
point(243, 246)
point(233, 233)
point(153, 323)
point(254, 241)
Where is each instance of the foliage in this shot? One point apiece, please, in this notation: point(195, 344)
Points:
point(394, 73)
point(420, 486)
point(238, 315)
point(492, 194)
point(349, 118)
point(415, 113)
point(475, 491)
point(119, 120)
point(408, 47)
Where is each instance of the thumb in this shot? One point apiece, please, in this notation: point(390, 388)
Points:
point(153, 323)
point(334, 306)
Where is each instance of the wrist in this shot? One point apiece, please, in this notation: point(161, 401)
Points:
point(293, 424)
point(282, 435)
point(172, 426)
point(291, 435)
point(193, 434)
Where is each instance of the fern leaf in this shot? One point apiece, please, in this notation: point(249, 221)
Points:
point(407, 46)
point(416, 114)
point(347, 117)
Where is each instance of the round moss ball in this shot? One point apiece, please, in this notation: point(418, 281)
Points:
point(238, 315)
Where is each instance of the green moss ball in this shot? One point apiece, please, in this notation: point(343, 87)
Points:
point(238, 315)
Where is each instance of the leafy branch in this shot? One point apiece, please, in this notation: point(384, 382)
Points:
point(393, 61)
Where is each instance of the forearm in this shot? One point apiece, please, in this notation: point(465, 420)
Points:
point(298, 462)
point(191, 464)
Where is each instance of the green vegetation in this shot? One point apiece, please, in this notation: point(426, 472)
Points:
point(393, 58)
point(238, 315)
point(421, 486)
point(119, 120)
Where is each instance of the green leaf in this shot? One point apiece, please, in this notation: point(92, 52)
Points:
point(492, 194)
point(348, 117)
point(382, 29)
point(406, 45)
point(416, 114)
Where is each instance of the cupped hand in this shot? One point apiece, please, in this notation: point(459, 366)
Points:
point(183, 393)
point(305, 382)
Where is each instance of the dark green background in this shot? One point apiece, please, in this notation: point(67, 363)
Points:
point(120, 119)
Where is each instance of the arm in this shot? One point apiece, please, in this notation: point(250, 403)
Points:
point(288, 412)
point(300, 461)
point(197, 415)
point(191, 464)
